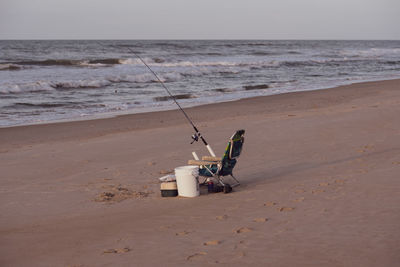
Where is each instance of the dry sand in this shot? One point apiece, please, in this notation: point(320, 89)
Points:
point(319, 172)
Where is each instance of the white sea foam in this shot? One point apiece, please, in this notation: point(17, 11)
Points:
point(196, 63)
point(133, 61)
point(38, 86)
point(92, 65)
point(80, 84)
point(370, 52)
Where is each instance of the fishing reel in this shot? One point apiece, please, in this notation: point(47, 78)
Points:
point(195, 138)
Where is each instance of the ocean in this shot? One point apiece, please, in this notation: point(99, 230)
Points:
point(47, 81)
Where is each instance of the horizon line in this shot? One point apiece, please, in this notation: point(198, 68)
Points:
point(190, 39)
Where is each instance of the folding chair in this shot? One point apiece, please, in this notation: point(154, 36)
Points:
point(219, 167)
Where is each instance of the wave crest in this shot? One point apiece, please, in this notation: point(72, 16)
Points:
point(38, 86)
point(80, 84)
point(41, 86)
point(10, 67)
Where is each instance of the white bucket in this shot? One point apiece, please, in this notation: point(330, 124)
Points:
point(187, 181)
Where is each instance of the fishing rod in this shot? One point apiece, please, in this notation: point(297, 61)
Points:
point(197, 135)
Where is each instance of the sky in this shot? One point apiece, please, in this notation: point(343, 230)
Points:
point(201, 19)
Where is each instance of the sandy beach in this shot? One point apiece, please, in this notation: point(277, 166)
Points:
point(319, 173)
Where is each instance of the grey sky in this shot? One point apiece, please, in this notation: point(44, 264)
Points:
point(205, 19)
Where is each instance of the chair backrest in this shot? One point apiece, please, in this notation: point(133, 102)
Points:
point(232, 152)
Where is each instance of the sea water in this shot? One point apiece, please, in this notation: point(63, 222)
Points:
point(45, 81)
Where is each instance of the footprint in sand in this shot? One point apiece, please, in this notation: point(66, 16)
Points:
point(222, 217)
point(196, 255)
point(117, 193)
point(243, 230)
point(269, 204)
point(260, 220)
point(212, 243)
point(116, 250)
point(301, 199)
point(182, 233)
point(284, 209)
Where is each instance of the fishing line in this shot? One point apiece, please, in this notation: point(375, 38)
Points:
point(197, 134)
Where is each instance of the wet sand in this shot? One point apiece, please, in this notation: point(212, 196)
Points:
point(319, 172)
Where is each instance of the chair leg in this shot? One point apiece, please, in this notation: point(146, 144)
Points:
point(237, 182)
point(220, 180)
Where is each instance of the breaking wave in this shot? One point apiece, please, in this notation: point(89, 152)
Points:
point(10, 67)
point(157, 61)
point(41, 86)
point(38, 86)
point(80, 84)
point(64, 62)
point(163, 63)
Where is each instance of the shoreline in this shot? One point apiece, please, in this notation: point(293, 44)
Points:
point(128, 122)
point(318, 172)
point(114, 114)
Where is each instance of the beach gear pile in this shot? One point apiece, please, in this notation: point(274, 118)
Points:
point(208, 173)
